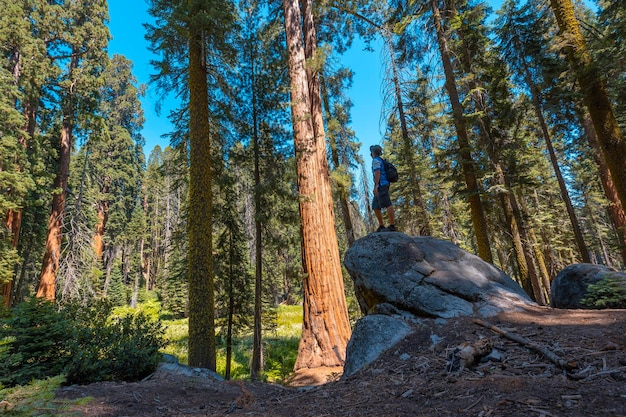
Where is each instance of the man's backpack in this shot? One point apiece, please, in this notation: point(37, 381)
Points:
point(391, 173)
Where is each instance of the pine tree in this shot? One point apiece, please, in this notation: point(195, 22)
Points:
point(595, 95)
point(188, 35)
point(233, 269)
point(464, 147)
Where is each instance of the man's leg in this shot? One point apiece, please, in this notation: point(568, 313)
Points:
point(379, 216)
point(391, 215)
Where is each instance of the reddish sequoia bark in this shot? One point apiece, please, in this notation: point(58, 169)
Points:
point(325, 328)
point(13, 224)
point(50, 264)
point(98, 239)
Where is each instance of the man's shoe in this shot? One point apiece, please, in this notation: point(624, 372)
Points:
point(381, 229)
point(391, 228)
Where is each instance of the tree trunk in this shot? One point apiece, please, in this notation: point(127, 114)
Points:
point(231, 310)
point(616, 209)
point(580, 242)
point(343, 191)
point(201, 285)
point(407, 148)
point(145, 260)
point(595, 96)
point(465, 156)
point(256, 365)
point(491, 143)
point(138, 275)
point(13, 223)
point(98, 239)
point(325, 327)
point(536, 245)
point(530, 278)
point(50, 264)
point(366, 192)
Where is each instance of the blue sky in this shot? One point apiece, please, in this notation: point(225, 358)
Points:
point(126, 18)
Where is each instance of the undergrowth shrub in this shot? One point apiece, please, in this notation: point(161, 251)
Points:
point(608, 293)
point(87, 343)
point(32, 342)
point(106, 346)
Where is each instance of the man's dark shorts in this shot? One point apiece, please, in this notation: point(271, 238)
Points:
point(382, 200)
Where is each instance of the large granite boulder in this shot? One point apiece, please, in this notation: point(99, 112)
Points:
point(428, 277)
point(570, 286)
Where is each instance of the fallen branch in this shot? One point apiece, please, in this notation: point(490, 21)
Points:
point(606, 372)
point(563, 364)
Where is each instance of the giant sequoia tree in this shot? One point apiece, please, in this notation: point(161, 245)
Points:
point(78, 47)
point(325, 328)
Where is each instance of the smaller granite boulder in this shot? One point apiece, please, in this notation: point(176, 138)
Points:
point(570, 286)
point(373, 335)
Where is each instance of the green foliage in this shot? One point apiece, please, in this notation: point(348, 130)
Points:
point(280, 357)
point(280, 345)
point(608, 293)
point(106, 346)
point(32, 343)
point(148, 305)
point(117, 292)
point(88, 343)
point(177, 337)
point(36, 398)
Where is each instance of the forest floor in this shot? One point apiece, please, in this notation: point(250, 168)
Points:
point(412, 379)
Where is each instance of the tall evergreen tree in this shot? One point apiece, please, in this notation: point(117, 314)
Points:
point(166, 184)
point(117, 153)
point(24, 68)
point(326, 329)
point(595, 95)
point(187, 34)
point(233, 267)
point(464, 147)
point(78, 49)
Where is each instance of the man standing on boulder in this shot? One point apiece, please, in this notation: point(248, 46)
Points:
point(381, 199)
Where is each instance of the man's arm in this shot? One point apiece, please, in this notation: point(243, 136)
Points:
point(376, 181)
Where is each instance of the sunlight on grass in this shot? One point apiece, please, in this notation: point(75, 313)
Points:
point(280, 346)
point(36, 399)
point(177, 336)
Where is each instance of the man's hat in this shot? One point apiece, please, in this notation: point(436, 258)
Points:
point(376, 150)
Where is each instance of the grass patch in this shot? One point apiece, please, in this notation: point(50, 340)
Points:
point(177, 336)
point(280, 346)
point(37, 399)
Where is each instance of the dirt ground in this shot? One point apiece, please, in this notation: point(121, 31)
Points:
point(413, 379)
